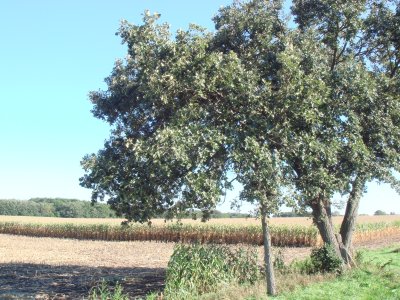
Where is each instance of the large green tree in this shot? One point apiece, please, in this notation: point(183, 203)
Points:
point(185, 115)
point(361, 40)
point(314, 109)
point(330, 93)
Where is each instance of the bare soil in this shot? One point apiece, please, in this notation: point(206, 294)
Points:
point(49, 268)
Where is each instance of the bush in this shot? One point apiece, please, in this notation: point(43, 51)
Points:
point(321, 260)
point(197, 269)
point(325, 259)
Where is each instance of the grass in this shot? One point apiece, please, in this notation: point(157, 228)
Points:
point(103, 292)
point(377, 277)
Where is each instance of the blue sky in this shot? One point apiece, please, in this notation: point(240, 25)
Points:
point(52, 54)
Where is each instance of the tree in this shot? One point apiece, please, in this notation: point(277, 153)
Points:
point(362, 40)
point(179, 113)
point(313, 109)
point(380, 213)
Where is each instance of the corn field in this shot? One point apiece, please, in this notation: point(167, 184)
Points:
point(282, 236)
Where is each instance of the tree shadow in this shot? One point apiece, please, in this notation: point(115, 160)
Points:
point(40, 281)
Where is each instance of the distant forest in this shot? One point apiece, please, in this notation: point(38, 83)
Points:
point(56, 207)
point(72, 208)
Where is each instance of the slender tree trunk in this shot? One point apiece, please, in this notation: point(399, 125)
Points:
point(269, 269)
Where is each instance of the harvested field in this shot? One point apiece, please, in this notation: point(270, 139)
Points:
point(66, 269)
point(17, 249)
point(228, 221)
point(281, 235)
point(53, 268)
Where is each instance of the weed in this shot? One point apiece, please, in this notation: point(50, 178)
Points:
point(103, 292)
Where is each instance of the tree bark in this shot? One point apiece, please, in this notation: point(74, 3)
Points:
point(322, 218)
point(349, 220)
point(269, 269)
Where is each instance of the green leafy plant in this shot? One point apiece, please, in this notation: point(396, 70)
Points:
point(103, 292)
point(279, 263)
point(197, 269)
point(243, 264)
point(305, 266)
point(325, 259)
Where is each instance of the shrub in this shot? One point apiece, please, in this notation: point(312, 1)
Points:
point(325, 259)
point(243, 265)
point(305, 266)
point(198, 269)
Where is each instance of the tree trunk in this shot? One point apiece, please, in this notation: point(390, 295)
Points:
point(269, 269)
point(349, 220)
point(322, 218)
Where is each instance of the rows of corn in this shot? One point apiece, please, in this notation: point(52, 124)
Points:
point(283, 236)
point(371, 231)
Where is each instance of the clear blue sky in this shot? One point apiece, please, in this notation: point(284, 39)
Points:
point(52, 54)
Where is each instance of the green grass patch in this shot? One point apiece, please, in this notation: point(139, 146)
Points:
point(377, 277)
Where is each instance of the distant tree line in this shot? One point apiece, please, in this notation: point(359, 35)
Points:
point(57, 207)
point(72, 208)
point(383, 213)
point(292, 214)
point(214, 214)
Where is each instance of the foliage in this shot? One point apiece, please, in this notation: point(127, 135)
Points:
point(197, 269)
point(292, 214)
point(56, 207)
point(279, 263)
point(214, 214)
point(103, 292)
point(325, 259)
point(171, 149)
point(322, 260)
point(380, 213)
point(310, 110)
point(369, 281)
point(360, 69)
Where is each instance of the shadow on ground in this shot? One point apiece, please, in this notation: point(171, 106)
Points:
point(36, 281)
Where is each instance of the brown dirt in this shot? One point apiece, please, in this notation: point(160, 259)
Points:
point(49, 268)
point(40, 281)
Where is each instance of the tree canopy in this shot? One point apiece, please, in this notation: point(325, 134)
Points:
point(312, 109)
